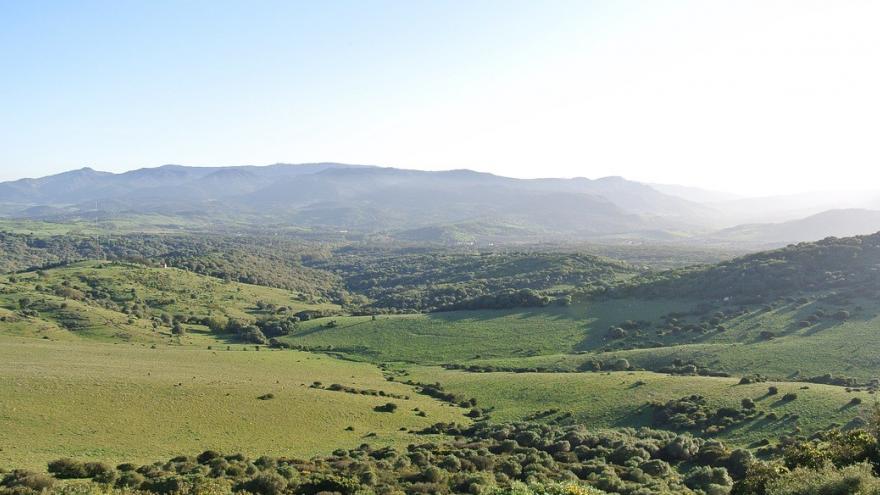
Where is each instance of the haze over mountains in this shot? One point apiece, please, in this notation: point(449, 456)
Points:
point(454, 205)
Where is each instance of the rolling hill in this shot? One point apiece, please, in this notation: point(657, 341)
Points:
point(831, 223)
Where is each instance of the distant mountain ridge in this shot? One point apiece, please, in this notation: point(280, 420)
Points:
point(832, 223)
point(358, 197)
point(449, 207)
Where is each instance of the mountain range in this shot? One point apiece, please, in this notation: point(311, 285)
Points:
point(449, 206)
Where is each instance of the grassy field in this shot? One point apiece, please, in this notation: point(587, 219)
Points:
point(106, 224)
point(618, 399)
point(761, 340)
point(108, 381)
point(116, 402)
point(460, 336)
point(98, 300)
point(843, 348)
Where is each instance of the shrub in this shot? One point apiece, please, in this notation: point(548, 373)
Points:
point(208, 456)
point(830, 480)
point(709, 479)
point(265, 484)
point(129, 479)
point(68, 469)
point(169, 485)
point(388, 407)
point(789, 397)
point(21, 478)
point(620, 365)
point(771, 390)
point(253, 335)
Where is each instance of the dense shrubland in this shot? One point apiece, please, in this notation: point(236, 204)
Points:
point(503, 459)
point(259, 260)
point(428, 280)
point(848, 266)
point(362, 279)
point(521, 458)
point(482, 459)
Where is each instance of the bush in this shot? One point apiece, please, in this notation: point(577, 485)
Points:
point(789, 397)
point(68, 469)
point(208, 456)
point(129, 479)
point(253, 335)
point(21, 478)
point(620, 365)
point(828, 480)
point(389, 407)
point(772, 390)
point(264, 484)
point(708, 479)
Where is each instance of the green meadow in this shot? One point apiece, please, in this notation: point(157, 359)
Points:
point(619, 399)
point(461, 336)
point(131, 402)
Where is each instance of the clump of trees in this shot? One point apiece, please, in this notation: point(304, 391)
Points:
point(506, 459)
point(840, 265)
point(694, 414)
point(521, 458)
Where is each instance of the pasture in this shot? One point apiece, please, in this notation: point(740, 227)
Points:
point(618, 399)
point(115, 402)
point(460, 336)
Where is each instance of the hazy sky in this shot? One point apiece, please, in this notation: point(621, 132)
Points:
point(750, 96)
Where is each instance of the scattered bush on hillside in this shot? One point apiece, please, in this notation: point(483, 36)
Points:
point(692, 413)
point(388, 407)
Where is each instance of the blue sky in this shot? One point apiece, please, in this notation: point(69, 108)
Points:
point(703, 93)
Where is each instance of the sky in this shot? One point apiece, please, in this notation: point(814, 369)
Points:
point(754, 97)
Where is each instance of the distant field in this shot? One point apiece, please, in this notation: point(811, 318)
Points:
point(130, 402)
point(617, 399)
point(144, 223)
point(843, 348)
point(461, 336)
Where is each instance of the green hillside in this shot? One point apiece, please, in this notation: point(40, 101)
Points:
point(620, 399)
point(460, 336)
point(133, 403)
point(130, 302)
point(849, 265)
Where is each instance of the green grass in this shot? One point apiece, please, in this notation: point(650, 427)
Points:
point(847, 348)
point(146, 223)
point(460, 336)
point(130, 402)
point(163, 290)
point(615, 399)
